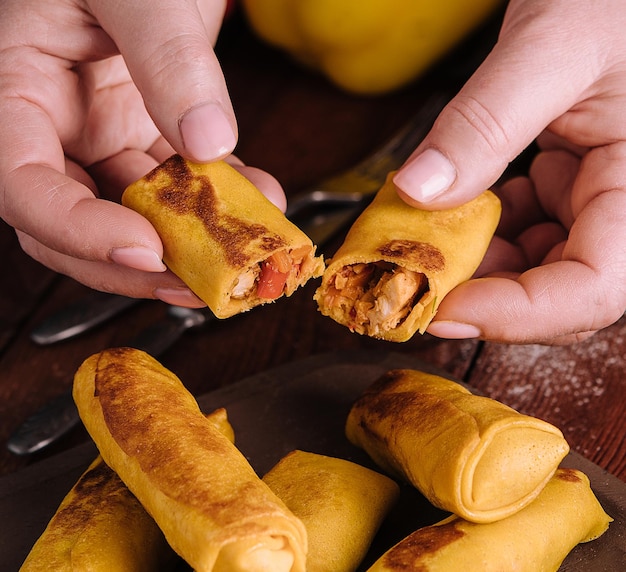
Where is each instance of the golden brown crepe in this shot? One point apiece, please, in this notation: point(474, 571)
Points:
point(397, 263)
point(101, 527)
point(341, 504)
point(221, 236)
point(213, 509)
point(536, 539)
point(467, 454)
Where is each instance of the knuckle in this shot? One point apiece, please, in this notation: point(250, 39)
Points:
point(490, 130)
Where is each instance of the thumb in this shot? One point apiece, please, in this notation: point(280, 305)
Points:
point(168, 48)
point(533, 75)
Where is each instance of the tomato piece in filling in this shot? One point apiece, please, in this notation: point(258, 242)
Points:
point(273, 276)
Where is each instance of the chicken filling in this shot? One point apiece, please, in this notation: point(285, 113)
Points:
point(280, 273)
point(376, 297)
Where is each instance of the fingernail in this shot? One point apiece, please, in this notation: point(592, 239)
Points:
point(138, 257)
point(207, 134)
point(453, 330)
point(178, 297)
point(426, 176)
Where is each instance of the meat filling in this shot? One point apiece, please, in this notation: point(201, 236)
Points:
point(377, 296)
point(280, 273)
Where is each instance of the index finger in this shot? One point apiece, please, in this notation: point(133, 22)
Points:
point(56, 210)
point(169, 53)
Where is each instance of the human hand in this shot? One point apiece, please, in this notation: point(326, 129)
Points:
point(556, 271)
point(79, 122)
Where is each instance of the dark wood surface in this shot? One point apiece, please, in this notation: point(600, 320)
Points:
point(301, 129)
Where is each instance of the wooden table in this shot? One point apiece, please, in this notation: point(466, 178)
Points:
point(301, 129)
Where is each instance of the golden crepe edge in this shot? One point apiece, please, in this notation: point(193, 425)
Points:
point(397, 263)
point(221, 236)
point(213, 509)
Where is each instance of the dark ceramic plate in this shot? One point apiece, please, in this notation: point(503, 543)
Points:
point(302, 405)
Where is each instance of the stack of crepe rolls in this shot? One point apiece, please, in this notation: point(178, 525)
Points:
point(221, 236)
point(535, 539)
point(101, 527)
point(467, 454)
point(397, 263)
point(342, 505)
point(213, 509)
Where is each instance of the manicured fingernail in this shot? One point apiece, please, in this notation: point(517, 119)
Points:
point(426, 176)
point(207, 134)
point(178, 297)
point(453, 330)
point(138, 257)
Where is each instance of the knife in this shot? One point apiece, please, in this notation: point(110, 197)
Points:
point(80, 316)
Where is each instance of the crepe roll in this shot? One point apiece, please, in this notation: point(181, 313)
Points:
point(100, 526)
point(221, 236)
point(536, 539)
point(213, 509)
point(468, 454)
point(397, 263)
point(342, 505)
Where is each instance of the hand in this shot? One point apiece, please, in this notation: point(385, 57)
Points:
point(556, 272)
point(74, 129)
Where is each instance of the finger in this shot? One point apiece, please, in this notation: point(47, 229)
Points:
point(550, 141)
point(63, 214)
point(161, 150)
point(502, 256)
point(520, 207)
point(266, 183)
point(113, 278)
point(114, 174)
point(39, 199)
point(554, 173)
point(262, 180)
point(583, 292)
point(78, 174)
point(511, 98)
point(539, 241)
point(170, 57)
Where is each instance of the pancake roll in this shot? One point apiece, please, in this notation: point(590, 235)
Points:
point(342, 505)
point(468, 454)
point(397, 263)
point(213, 509)
point(221, 236)
point(536, 539)
point(98, 507)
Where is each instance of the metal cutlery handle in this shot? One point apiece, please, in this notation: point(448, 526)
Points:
point(366, 177)
point(59, 416)
point(80, 316)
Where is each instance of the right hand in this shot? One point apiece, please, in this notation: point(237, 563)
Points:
point(557, 268)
